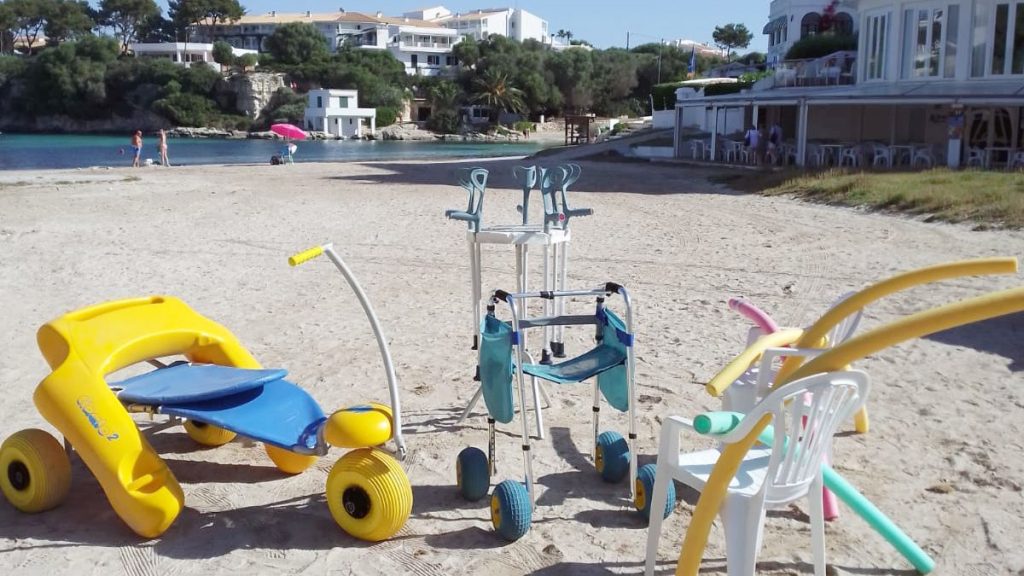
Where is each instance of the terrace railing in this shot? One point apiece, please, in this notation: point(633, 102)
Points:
point(837, 69)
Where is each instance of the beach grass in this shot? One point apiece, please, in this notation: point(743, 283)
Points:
point(988, 199)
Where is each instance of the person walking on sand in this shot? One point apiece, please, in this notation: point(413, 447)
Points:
point(163, 148)
point(136, 148)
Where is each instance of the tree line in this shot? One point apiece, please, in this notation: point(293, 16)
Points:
point(88, 75)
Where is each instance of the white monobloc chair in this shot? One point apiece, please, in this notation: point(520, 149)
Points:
point(805, 415)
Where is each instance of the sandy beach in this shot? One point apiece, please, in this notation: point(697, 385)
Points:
point(943, 457)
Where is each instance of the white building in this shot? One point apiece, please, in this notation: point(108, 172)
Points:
point(480, 24)
point(939, 81)
point(182, 53)
point(423, 46)
point(336, 112)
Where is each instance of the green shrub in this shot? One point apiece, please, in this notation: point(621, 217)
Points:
point(720, 89)
point(820, 45)
point(443, 121)
point(665, 95)
point(185, 109)
point(523, 126)
point(386, 116)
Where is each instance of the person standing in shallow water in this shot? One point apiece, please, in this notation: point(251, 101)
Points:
point(136, 148)
point(163, 148)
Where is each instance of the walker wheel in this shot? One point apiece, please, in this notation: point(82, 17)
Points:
point(644, 490)
point(472, 474)
point(369, 494)
point(208, 434)
point(511, 510)
point(612, 456)
point(289, 462)
point(35, 472)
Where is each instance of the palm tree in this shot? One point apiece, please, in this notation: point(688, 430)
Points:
point(445, 96)
point(493, 90)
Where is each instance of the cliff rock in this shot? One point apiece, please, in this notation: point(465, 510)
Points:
point(254, 90)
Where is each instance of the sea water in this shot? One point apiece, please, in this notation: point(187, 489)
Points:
point(33, 151)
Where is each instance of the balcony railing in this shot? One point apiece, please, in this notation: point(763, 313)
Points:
point(836, 69)
point(437, 45)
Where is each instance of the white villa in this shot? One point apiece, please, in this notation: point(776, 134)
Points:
point(422, 40)
point(336, 112)
point(931, 82)
point(182, 53)
point(479, 24)
point(423, 47)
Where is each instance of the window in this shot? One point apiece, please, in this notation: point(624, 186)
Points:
point(875, 46)
point(1005, 27)
point(929, 41)
point(414, 60)
point(433, 60)
point(843, 24)
point(953, 25)
point(809, 24)
point(999, 39)
point(450, 60)
point(1017, 65)
point(319, 102)
point(979, 46)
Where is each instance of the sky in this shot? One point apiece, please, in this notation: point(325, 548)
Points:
point(603, 23)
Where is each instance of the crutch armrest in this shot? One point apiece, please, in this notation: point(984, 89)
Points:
point(579, 212)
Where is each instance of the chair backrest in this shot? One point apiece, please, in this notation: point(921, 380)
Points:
point(842, 331)
point(805, 415)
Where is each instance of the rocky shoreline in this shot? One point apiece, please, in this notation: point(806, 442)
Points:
point(408, 131)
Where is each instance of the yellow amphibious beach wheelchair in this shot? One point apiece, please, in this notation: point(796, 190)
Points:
point(218, 390)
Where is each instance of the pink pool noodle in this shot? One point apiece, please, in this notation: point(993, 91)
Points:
point(754, 314)
point(763, 321)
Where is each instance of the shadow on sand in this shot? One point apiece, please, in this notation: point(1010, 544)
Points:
point(1001, 336)
point(597, 176)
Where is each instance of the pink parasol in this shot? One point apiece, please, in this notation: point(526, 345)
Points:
point(288, 131)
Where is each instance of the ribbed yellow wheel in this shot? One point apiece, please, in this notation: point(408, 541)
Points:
point(208, 434)
point(369, 494)
point(35, 473)
point(289, 462)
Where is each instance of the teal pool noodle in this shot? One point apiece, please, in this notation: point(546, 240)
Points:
point(714, 423)
point(718, 423)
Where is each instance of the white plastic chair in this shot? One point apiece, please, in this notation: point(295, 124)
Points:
point(1016, 160)
point(767, 477)
point(850, 155)
point(882, 156)
point(816, 154)
point(976, 157)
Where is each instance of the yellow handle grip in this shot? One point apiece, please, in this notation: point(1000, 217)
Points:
point(303, 257)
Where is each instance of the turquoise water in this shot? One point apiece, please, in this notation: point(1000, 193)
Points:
point(24, 151)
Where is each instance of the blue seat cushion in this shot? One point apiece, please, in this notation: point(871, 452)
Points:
point(278, 413)
point(185, 383)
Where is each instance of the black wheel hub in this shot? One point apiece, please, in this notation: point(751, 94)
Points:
point(356, 502)
point(17, 475)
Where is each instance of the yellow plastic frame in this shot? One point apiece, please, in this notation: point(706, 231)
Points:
point(82, 347)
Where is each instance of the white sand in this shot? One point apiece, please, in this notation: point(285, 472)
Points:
point(947, 409)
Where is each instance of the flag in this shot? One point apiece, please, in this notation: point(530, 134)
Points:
point(693, 60)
